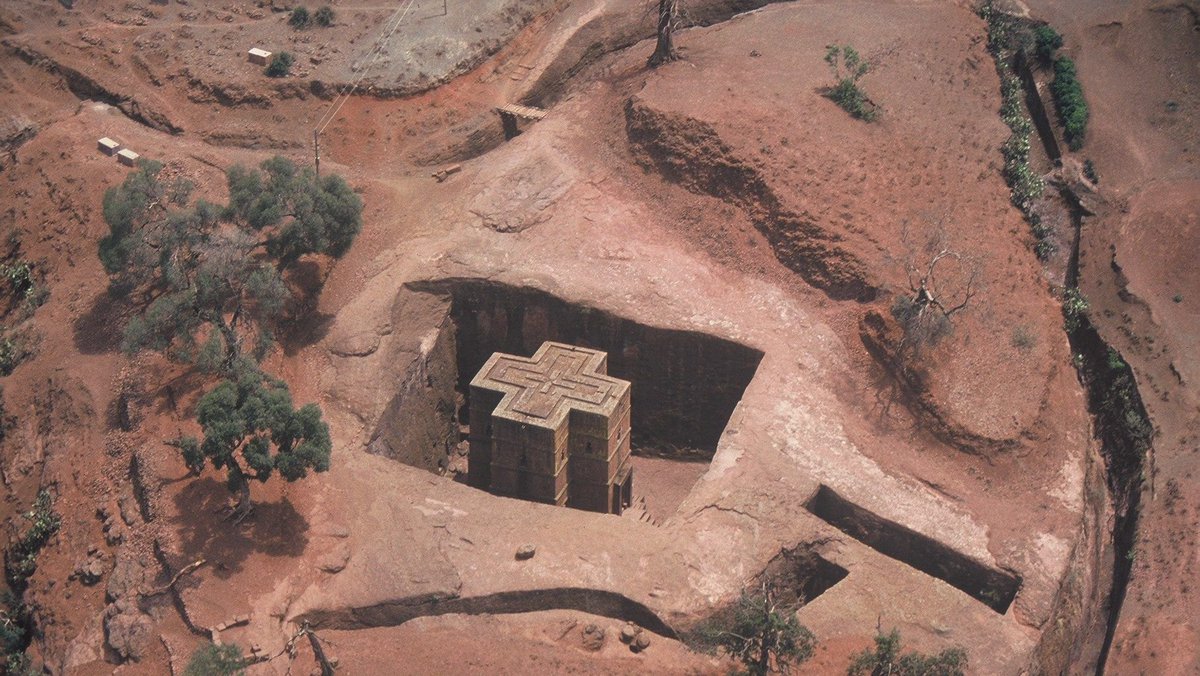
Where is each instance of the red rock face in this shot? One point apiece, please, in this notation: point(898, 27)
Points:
point(731, 238)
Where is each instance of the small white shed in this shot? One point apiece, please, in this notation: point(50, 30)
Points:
point(108, 146)
point(127, 157)
point(259, 56)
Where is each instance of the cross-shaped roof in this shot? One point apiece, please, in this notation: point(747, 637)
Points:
point(542, 389)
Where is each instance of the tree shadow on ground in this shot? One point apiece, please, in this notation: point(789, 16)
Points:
point(274, 529)
point(304, 330)
point(99, 329)
point(303, 324)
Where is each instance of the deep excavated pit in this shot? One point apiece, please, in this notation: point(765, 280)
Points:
point(993, 587)
point(799, 575)
point(685, 384)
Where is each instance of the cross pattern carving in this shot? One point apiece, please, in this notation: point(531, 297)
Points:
point(565, 390)
point(556, 376)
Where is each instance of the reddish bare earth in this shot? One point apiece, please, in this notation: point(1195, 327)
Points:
point(1137, 267)
point(732, 238)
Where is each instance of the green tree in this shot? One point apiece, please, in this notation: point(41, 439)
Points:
point(848, 68)
point(1068, 98)
point(280, 65)
point(216, 660)
point(213, 276)
point(252, 430)
point(886, 660)
point(212, 282)
point(764, 637)
point(1046, 41)
point(137, 216)
point(299, 18)
point(291, 212)
point(324, 16)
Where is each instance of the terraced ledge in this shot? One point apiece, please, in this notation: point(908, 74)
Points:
point(691, 153)
point(88, 88)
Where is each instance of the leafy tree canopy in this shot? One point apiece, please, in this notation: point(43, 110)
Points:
point(252, 430)
point(213, 275)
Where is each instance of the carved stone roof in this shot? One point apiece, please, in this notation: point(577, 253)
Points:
point(541, 390)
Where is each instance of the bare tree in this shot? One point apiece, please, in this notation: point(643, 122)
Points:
point(938, 288)
point(668, 19)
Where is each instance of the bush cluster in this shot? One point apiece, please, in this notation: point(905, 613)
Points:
point(1068, 98)
point(280, 66)
point(1046, 41)
point(216, 660)
point(1123, 404)
point(848, 68)
point(20, 562)
point(1075, 309)
point(1026, 185)
point(886, 660)
point(302, 18)
point(1005, 35)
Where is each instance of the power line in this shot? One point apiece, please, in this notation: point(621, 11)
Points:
point(394, 21)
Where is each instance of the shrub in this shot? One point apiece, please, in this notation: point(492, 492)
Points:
point(886, 660)
point(16, 345)
point(1068, 98)
point(758, 633)
point(19, 277)
point(280, 66)
point(1075, 309)
point(20, 561)
point(848, 68)
point(1045, 41)
point(324, 16)
point(1022, 339)
point(216, 660)
point(1089, 170)
point(921, 329)
point(10, 355)
point(1044, 249)
point(299, 18)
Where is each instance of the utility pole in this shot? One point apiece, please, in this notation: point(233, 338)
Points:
point(317, 152)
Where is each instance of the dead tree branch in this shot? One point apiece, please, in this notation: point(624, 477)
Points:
point(191, 567)
point(941, 286)
point(289, 649)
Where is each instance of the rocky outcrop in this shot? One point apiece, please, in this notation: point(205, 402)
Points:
point(691, 153)
point(144, 110)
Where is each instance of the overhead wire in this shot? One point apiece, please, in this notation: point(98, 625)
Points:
point(394, 22)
